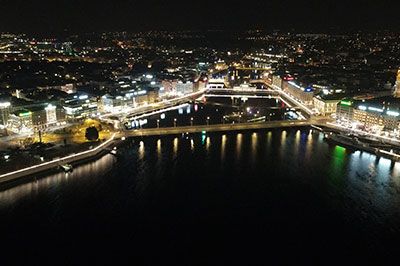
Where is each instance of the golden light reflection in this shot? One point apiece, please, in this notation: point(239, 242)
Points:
point(283, 138)
point(269, 137)
point(223, 145)
point(309, 144)
point(297, 138)
point(239, 139)
point(175, 147)
point(159, 148)
point(254, 138)
point(208, 142)
point(141, 150)
point(91, 170)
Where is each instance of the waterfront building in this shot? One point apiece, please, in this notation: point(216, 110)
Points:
point(326, 104)
point(304, 95)
point(376, 114)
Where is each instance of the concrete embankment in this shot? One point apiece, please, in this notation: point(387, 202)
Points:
point(45, 166)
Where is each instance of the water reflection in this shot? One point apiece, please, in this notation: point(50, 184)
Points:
point(336, 171)
point(239, 138)
point(141, 150)
point(159, 149)
point(208, 142)
point(192, 144)
point(223, 144)
point(254, 138)
point(359, 176)
point(80, 173)
point(175, 147)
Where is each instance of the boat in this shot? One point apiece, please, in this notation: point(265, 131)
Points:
point(66, 167)
point(349, 141)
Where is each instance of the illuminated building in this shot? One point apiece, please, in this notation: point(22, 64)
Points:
point(377, 114)
point(4, 112)
point(80, 106)
point(216, 84)
point(304, 95)
point(183, 88)
point(277, 81)
point(325, 105)
point(396, 92)
point(51, 114)
point(20, 122)
point(116, 103)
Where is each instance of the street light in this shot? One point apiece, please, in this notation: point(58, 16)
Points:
point(174, 122)
point(208, 120)
point(158, 123)
point(191, 121)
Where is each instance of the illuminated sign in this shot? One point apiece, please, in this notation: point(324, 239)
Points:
point(392, 113)
point(24, 114)
point(375, 109)
point(347, 103)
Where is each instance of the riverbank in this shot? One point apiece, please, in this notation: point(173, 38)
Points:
point(53, 164)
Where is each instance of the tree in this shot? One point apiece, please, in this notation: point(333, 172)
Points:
point(92, 133)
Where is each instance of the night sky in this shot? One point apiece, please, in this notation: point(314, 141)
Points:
point(46, 16)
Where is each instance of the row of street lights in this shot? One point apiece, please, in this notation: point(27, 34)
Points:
point(191, 121)
point(223, 119)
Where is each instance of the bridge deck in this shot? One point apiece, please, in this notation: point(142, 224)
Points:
point(214, 128)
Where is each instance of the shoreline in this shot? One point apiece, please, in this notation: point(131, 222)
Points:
point(27, 172)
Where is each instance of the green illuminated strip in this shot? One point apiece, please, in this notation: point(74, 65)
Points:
point(25, 114)
point(347, 103)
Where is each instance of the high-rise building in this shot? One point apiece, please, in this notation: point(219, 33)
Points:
point(396, 92)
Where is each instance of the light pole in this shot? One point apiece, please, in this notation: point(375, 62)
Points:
point(240, 116)
point(174, 122)
point(158, 123)
point(208, 120)
point(191, 121)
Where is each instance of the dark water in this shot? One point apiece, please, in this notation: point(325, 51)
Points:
point(227, 198)
point(217, 110)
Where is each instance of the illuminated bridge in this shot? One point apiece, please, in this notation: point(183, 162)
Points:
point(215, 128)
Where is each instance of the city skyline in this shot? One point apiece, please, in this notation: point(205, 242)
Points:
point(253, 132)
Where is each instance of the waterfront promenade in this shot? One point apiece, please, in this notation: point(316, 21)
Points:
point(35, 169)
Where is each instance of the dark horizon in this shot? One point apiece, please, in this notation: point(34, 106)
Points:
point(55, 17)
